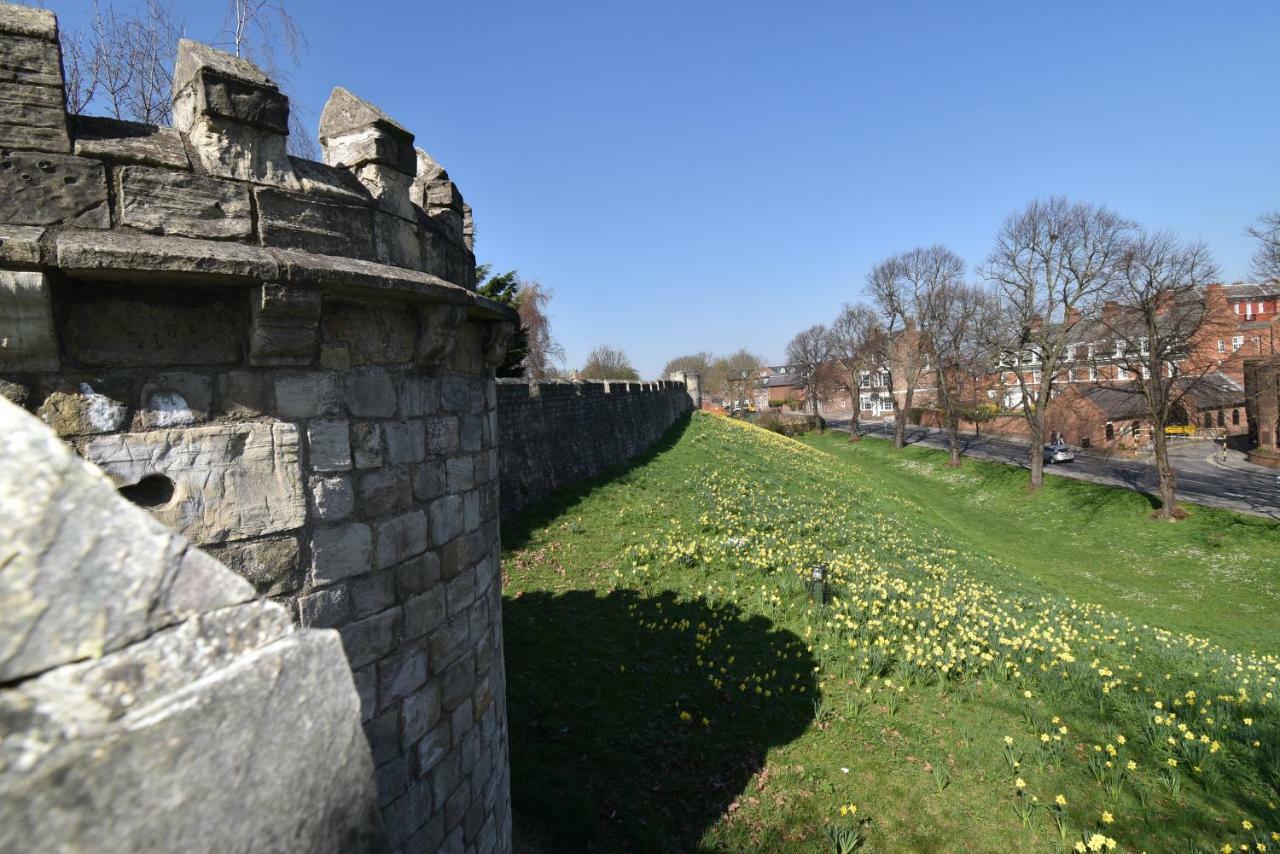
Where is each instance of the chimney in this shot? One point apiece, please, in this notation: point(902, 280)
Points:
point(1073, 316)
point(1110, 312)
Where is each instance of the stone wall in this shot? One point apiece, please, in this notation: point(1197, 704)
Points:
point(150, 701)
point(286, 362)
point(555, 433)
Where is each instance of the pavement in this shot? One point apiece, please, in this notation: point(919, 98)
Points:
point(1202, 478)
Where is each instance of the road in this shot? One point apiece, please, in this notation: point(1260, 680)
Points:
point(1202, 479)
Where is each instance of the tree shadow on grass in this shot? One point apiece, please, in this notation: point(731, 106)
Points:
point(620, 739)
point(516, 530)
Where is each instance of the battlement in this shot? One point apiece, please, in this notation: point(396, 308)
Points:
point(220, 174)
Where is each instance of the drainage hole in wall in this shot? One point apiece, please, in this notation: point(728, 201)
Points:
point(154, 490)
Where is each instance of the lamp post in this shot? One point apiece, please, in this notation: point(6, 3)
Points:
point(818, 583)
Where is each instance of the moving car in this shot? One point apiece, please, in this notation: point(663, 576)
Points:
point(1058, 452)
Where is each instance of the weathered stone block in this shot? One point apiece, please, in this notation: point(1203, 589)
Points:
point(52, 189)
point(421, 714)
point(175, 399)
point(295, 221)
point(384, 491)
point(457, 684)
point(405, 441)
point(245, 394)
point(370, 639)
point(402, 674)
point(417, 575)
point(460, 472)
point(372, 593)
point(442, 435)
point(116, 327)
point(366, 444)
point(438, 327)
point(373, 333)
point(79, 410)
point(430, 750)
point(429, 480)
point(446, 518)
point(28, 341)
point(401, 538)
point(332, 498)
point(271, 564)
point(419, 396)
point(396, 241)
point(424, 613)
point(222, 483)
point(470, 432)
point(68, 591)
point(449, 642)
point(392, 779)
point(370, 393)
point(103, 138)
point(32, 99)
point(286, 325)
point(306, 395)
point(354, 132)
point(328, 607)
point(341, 552)
point(162, 201)
point(328, 446)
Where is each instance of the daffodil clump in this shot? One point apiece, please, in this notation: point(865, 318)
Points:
point(897, 612)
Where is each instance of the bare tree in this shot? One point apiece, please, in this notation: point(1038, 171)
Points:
point(901, 288)
point(1051, 261)
point(1266, 258)
point(955, 325)
point(265, 32)
point(855, 338)
point(809, 352)
point(543, 353)
point(731, 378)
point(1160, 313)
point(694, 363)
point(606, 363)
point(124, 60)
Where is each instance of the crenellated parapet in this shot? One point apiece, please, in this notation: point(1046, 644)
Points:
point(285, 362)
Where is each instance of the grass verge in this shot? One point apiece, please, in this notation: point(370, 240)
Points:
point(675, 684)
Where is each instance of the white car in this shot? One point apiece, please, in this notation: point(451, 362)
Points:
point(1058, 452)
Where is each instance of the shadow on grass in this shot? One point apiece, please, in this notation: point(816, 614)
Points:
point(516, 530)
point(602, 758)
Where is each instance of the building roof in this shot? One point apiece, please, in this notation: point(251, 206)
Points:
point(1116, 403)
point(779, 380)
point(1246, 290)
point(1210, 391)
point(1214, 391)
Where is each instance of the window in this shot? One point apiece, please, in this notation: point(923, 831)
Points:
point(1222, 422)
point(1071, 352)
point(1111, 431)
point(1092, 349)
point(864, 380)
point(1137, 431)
point(1235, 417)
point(1035, 378)
point(1248, 311)
point(1208, 420)
point(1142, 346)
point(1146, 372)
point(1093, 374)
point(1119, 350)
point(1237, 341)
point(1237, 308)
point(1121, 373)
point(1071, 375)
point(1222, 346)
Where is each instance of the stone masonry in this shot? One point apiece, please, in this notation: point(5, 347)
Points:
point(285, 362)
point(556, 433)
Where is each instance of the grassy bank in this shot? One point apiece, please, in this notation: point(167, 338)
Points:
point(1215, 574)
point(674, 684)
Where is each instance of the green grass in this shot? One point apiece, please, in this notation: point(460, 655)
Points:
point(1215, 574)
point(673, 684)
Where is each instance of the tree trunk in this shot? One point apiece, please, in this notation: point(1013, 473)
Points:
point(899, 428)
point(953, 431)
point(1168, 479)
point(1037, 455)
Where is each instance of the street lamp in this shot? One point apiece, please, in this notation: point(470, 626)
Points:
point(818, 583)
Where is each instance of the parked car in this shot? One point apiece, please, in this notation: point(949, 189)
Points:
point(1058, 452)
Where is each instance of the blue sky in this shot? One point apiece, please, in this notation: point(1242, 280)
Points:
point(712, 175)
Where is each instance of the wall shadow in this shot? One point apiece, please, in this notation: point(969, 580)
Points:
point(601, 757)
point(516, 530)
